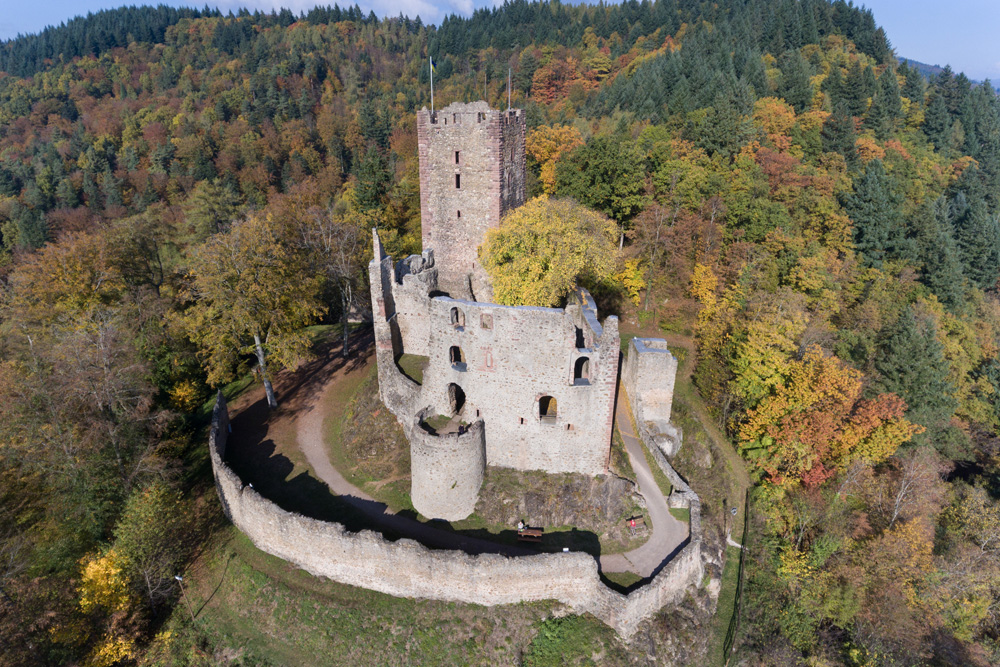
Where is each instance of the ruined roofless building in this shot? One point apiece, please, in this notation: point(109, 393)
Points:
point(535, 387)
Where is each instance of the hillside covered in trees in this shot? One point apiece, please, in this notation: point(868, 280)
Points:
point(825, 220)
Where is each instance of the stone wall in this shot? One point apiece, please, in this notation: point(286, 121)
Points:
point(648, 375)
point(408, 569)
point(472, 163)
point(447, 470)
point(522, 354)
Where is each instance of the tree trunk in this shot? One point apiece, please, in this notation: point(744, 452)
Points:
point(272, 402)
point(344, 306)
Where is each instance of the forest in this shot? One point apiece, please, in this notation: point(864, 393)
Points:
point(825, 220)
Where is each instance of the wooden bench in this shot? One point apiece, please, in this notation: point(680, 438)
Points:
point(639, 521)
point(530, 535)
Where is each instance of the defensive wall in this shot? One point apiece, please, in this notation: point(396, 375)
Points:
point(472, 172)
point(405, 568)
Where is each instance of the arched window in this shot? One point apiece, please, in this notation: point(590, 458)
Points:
point(547, 409)
point(457, 358)
point(457, 317)
point(581, 371)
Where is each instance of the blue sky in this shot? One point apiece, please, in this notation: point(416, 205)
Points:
point(961, 33)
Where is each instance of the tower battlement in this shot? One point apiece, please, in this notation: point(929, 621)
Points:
point(472, 172)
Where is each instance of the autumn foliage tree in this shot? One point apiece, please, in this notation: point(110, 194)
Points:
point(253, 295)
point(545, 145)
point(544, 248)
point(815, 423)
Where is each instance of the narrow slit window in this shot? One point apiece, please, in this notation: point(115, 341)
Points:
point(457, 154)
point(458, 214)
point(458, 181)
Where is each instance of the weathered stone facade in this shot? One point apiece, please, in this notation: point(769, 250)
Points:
point(472, 172)
point(542, 380)
point(447, 470)
point(648, 376)
point(530, 388)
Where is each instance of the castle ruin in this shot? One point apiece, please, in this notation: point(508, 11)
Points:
point(536, 384)
point(532, 388)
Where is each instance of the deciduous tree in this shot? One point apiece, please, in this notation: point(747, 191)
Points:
point(253, 294)
point(542, 249)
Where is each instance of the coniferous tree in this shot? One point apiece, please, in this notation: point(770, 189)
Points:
point(876, 209)
point(838, 134)
point(373, 180)
point(914, 84)
point(911, 364)
point(853, 91)
point(937, 122)
point(886, 105)
point(794, 85)
point(978, 235)
point(936, 252)
point(833, 85)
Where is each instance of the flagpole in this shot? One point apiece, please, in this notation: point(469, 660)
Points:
point(431, 62)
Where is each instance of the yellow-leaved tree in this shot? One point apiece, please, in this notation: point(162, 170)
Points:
point(544, 248)
point(254, 295)
point(546, 144)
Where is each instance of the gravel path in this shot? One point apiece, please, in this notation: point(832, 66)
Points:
point(668, 532)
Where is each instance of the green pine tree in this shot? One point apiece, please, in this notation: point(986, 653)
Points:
point(937, 253)
point(838, 134)
point(876, 209)
point(910, 363)
point(373, 180)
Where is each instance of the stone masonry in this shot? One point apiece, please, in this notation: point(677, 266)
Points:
point(542, 380)
point(533, 389)
point(472, 172)
point(447, 470)
point(648, 378)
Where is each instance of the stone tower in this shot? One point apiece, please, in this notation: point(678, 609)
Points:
point(471, 173)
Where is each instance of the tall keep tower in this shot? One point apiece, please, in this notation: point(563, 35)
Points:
point(471, 173)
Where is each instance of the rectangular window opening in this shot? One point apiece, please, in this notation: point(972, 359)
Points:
point(458, 181)
point(522, 421)
point(457, 154)
point(458, 214)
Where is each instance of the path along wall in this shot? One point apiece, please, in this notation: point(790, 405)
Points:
point(406, 568)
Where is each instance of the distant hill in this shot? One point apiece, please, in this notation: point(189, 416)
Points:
point(927, 71)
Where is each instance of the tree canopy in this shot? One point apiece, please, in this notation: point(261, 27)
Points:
point(544, 248)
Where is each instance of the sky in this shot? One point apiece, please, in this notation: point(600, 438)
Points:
point(961, 33)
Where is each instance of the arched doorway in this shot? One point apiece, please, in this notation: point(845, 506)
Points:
point(456, 398)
